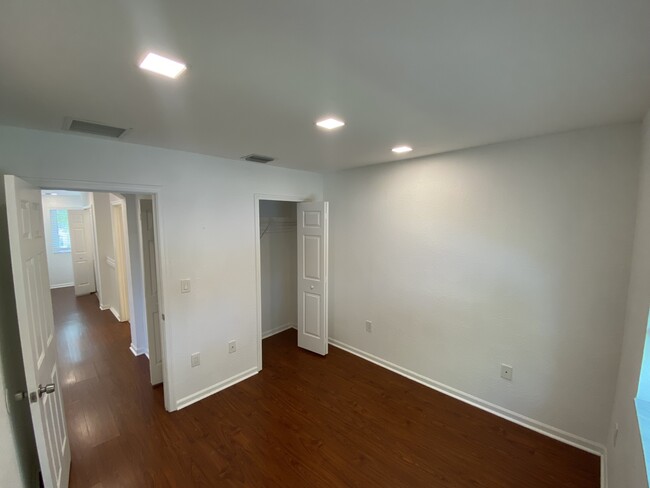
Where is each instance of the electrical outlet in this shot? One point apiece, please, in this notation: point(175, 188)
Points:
point(232, 347)
point(196, 359)
point(506, 372)
point(368, 326)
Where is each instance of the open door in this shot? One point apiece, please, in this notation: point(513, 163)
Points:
point(36, 326)
point(151, 291)
point(82, 247)
point(312, 230)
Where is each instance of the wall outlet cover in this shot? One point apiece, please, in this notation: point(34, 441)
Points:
point(232, 347)
point(506, 372)
point(368, 326)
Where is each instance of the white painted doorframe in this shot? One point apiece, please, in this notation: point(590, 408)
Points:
point(147, 233)
point(122, 260)
point(258, 261)
point(156, 192)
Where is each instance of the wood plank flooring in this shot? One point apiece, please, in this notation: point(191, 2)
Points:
point(304, 421)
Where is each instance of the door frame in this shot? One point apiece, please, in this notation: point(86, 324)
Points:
point(122, 262)
point(148, 325)
point(258, 261)
point(156, 191)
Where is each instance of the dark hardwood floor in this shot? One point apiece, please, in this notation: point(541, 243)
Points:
point(304, 421)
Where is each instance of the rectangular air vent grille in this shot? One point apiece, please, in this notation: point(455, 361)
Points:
point(96, 129)
point(257, 158)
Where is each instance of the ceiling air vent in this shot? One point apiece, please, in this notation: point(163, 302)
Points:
point(85, 127)
point(257, 158)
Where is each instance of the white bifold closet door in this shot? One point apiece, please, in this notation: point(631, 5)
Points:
point(82, 249)
point(312, 231)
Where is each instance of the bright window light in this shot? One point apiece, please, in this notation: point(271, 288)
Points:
point(162, 66)
point(330, 123)
point(402, 149)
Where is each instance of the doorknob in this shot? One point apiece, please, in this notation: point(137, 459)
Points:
point(311, 287)
point(41, 390)
point(47, 389)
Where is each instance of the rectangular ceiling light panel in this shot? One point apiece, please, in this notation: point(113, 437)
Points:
point(162, 66)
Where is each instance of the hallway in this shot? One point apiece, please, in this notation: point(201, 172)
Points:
point(304, 421)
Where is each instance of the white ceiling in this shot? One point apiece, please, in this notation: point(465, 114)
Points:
point(436, 74)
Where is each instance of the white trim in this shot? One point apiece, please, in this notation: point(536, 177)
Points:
point(603, 469)
point(277, 330)
point(116, 313)
point(258, 261)
point(210, 390)
point(103, 307)
point(163, 266)
point(136, 351)
point(539, 427)
point(61, 285)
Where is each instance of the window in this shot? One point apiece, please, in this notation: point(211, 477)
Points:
point(60, 231)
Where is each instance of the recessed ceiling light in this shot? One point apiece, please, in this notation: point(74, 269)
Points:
point(330, 123)
point(162, 66)
point(402, 149)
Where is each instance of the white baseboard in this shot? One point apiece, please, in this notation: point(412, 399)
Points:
point(103, 307)
point(115, 313)
point(206, 392)
point(277, 330)
point(136, 351)
point(540, 427)
point(61, 285)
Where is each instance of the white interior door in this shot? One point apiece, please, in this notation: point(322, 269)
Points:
point(36, 325)
point(312, 223)
point(82, 247)
point(151, 290)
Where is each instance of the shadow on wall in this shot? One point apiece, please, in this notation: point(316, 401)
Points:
point(16, 430)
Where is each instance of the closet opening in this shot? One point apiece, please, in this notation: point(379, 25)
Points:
point(291, 254)
point(278, 266)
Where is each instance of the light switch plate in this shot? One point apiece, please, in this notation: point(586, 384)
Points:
point(186, 287)
point(196, 359)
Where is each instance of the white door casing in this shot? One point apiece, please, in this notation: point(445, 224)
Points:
point(82, 248)
point(312, 230)
point(118, 217)
point(151, 290)
point(36, 327)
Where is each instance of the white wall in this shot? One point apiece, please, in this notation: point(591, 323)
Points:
point(515, 253)
point(278, 260)
point(60, 264)
point(626, 468)
point(18, 457)
point(207, 207)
